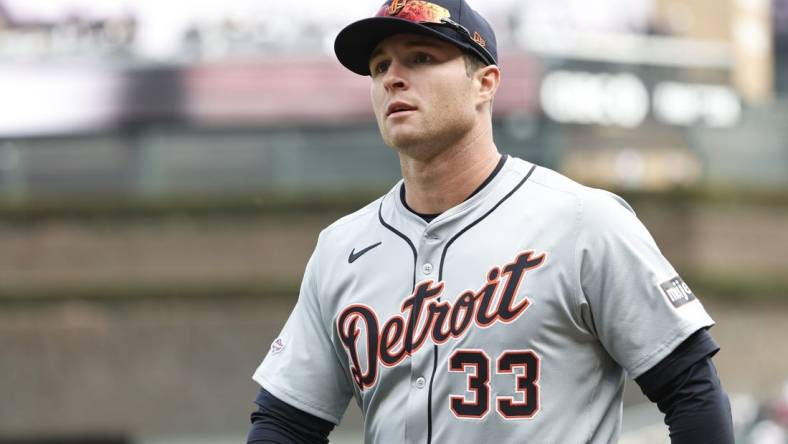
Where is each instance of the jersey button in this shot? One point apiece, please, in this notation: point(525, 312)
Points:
point(427, 268)
point(420, 382)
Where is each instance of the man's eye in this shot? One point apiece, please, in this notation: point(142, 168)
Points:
point(422, 58)
point(380, 67)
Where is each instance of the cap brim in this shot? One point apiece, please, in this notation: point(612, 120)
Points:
point(355, 43)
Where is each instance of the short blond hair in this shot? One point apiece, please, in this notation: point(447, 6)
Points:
point(472, 63)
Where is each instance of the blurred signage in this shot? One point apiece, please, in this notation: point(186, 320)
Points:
point(624, 100)
point(593, 98)
point(689, 104)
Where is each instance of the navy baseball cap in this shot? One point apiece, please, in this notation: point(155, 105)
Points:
point(450, 20)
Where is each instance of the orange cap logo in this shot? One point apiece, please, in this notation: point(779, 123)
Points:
point(479, 39)
point(396, 6)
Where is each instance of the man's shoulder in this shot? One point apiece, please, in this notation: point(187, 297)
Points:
point(557, 186)
point(357, 223)
point(552, 181)
point(354, 221)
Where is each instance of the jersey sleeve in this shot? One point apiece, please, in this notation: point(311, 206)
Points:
point(631, 297)
point(301, 367)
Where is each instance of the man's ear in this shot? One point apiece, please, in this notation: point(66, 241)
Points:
point(487, 80)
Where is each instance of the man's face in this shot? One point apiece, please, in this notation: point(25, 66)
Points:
point(422, 96)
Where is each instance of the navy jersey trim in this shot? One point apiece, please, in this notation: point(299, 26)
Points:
point(428, 217)
point(431, 216)
point(440, 278)
point(474, 223)
point(492, 175)
point(405, 238)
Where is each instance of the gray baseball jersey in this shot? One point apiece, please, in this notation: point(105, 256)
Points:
point(512, 317)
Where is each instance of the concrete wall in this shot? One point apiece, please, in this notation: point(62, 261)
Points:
point(181, 364)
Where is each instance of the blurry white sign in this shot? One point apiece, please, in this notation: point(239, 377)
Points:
point(624, 100)
point(691, 104)
point(51, 101)
point(589, 98)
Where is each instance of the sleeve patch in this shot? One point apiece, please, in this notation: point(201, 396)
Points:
point(277, 346)
point(677, 292)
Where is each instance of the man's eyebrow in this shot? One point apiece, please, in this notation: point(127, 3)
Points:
point(410, 43)
point(378, 51)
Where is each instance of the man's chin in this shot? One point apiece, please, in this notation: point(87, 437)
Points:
point(403, 140)
point(407, 144)
point(415, 144)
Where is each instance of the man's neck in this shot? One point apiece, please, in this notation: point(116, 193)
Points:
point(445, 180)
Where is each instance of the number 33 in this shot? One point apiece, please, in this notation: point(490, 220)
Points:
point(479, 384)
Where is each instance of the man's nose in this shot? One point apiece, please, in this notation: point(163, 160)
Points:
point(395, 77)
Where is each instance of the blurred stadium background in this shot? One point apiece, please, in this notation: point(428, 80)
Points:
point(165, 168)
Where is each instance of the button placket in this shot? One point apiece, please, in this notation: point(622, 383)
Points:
point(429, 248)
point(418, 397)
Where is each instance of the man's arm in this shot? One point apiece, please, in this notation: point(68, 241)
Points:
point(276, 422)
point(686, 388)
point(302, 369)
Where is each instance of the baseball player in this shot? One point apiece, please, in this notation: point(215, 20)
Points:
point(483, 298)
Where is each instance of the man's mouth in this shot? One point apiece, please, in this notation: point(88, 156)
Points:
point(398, 107)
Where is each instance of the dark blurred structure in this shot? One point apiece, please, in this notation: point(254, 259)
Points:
point(781, 46)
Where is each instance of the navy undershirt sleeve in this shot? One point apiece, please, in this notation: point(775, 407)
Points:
point(686, 388)
point(276, 422)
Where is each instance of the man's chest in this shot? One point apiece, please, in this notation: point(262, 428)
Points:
point(409, 298)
